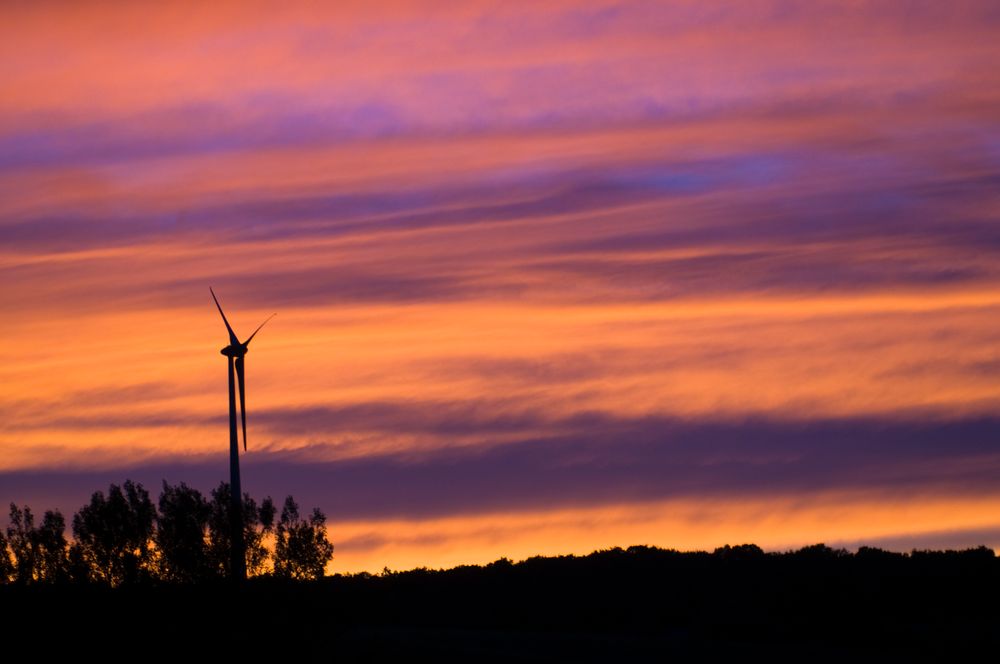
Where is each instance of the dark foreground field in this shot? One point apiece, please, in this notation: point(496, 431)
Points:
point(814, 604)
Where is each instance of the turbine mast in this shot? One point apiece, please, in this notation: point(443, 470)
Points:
point(237, 561)
point(234, 353)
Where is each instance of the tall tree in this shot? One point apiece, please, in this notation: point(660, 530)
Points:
point(39, 552)
point(52, 564)
point(23, 544)
point(115, 534)
point(181, 529)
point(258, 522)
point(301, 547)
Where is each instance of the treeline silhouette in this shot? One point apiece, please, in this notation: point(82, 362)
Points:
point(122, 538)
point(817, 603)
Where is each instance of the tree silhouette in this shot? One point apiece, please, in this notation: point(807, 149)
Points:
point(78, 566)
point(6, 564)
point(23, 544)
point(818, 552)
point(120, 537)
point(52, 564)
point(39, 553)
point(258, 522)
point(301, 548)
point(114, 534)
point(739, 552)
point(181, 527)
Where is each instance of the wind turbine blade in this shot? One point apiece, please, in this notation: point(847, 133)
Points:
point(258, 329)
point(243, 407)
point(232, 335)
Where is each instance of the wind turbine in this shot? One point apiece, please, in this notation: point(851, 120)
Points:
point(236, 351)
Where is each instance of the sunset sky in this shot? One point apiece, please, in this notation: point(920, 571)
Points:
point(550, 276)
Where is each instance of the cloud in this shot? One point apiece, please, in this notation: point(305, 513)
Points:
point(639, 231)
point(602, 460)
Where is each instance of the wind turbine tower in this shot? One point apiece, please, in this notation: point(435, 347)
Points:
point(236, 352)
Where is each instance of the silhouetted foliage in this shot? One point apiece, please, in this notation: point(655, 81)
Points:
point(301, 548)
point(869, 554)
point(23, 543)
point(258, 522)
point(78, 566)
point(6, 563)
point(974, 555)
point(740, 552)
point(52, 564)
point(39, 553)
point(820, 552)
point(115, 534)
point(122, 538)
point(181, 534)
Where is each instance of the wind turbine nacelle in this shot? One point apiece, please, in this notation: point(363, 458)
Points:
point(234, 351)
